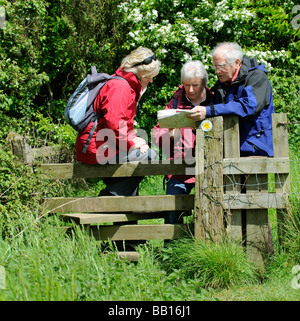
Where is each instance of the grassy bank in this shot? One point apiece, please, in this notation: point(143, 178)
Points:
point(43, 262)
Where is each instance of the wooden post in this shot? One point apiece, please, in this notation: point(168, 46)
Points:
point(281, 149)
point(20, 148)
point(232, 183)
point(259, 237)
point(199, 173)
point(208, 186)
point(257, 223)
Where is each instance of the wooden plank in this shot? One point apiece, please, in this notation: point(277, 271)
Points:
point(232, 182)
point(256, 165)
point(199, 174)
point(282, 180)
point(247, 165)
point(257, 236)
point(69, 170)
point(131, 256)
point(119, 204)
point(280, 135)
point(46, 151)
point(138, 232)
point(254, 201)
point(159, 203)
point(87, 218)
point(231, 136)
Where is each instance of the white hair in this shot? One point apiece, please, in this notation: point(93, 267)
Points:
point(194, 69)
point(231, 50)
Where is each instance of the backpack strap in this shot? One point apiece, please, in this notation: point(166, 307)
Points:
point(90, 135)
point(175, 102)
point(93, 70)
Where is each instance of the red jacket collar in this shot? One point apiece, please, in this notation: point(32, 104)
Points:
point(132, 79)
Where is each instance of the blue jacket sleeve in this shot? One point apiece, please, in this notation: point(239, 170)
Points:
point(244, 100)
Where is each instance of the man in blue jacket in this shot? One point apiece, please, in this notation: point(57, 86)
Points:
point(242, 89)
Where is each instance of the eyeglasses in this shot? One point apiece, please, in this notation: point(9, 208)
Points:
point(220, 66)
point(146, 61)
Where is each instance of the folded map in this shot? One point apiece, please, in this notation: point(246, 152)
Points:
point(175, 118)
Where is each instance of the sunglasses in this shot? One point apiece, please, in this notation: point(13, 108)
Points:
point(146, 61)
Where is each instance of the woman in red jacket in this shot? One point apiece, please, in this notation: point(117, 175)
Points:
point(115, 140)
point(193, 92)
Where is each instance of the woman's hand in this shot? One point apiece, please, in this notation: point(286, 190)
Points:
point(141, 144)
point(144, 148)
point(199, 113)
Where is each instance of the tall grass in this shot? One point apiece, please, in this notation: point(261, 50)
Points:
point(47, 264)
point(291, 228)
point(215, 265)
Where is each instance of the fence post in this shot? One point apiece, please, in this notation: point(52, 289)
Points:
point(199, 173)
point(232, 183)
point(259, 239)
point(20, 148)
point(208, 185)
point(281, 149)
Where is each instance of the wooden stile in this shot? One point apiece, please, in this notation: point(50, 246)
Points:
point(231, 192)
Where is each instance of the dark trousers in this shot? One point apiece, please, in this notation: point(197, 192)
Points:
point(127, 186)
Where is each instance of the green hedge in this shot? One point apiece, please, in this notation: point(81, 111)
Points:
point(47, 47)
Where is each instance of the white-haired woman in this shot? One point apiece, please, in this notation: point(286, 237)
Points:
point(191, 93)
point(115, 140)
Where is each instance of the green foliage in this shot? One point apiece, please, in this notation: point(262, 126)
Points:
point(21, 194)
point(286, 93)
point(47, 47)
point(182, 30)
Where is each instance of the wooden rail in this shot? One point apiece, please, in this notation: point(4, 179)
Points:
point(249, 165)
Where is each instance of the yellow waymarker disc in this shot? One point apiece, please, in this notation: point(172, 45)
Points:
point(206, 125)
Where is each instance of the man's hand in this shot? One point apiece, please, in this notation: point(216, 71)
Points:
point(199, 113)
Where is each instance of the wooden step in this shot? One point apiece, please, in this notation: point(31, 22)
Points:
point(117, 204)
point(99, 218)
point(138, 232)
